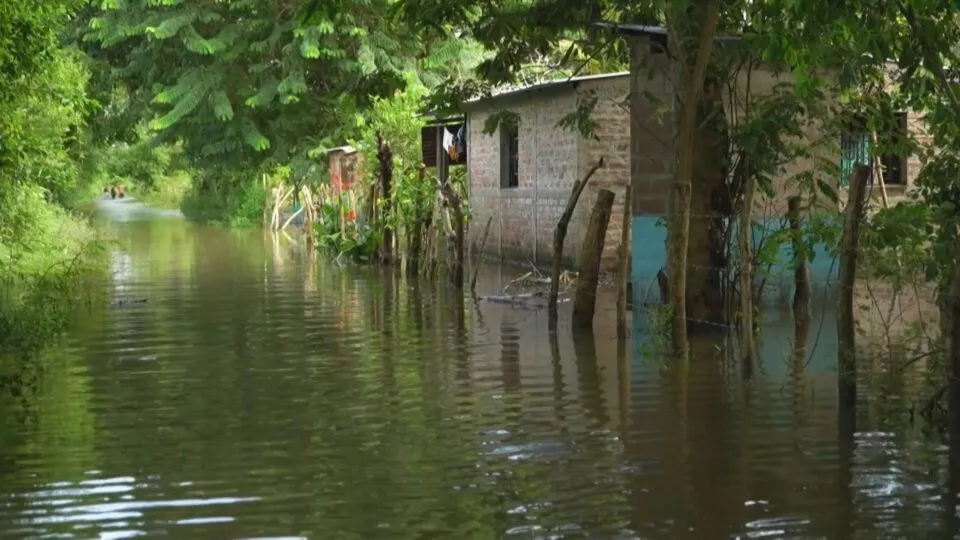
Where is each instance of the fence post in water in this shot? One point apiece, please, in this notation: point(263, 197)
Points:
point(952, 337)
point(459, 232)
point(591, 253)
point(846, 326)
point(479, 258)
point(438, 235)
point(426, 256)
point(385, 157)
point(623, 265)
point(373, 220)
point(413, 256)
point(559, 236)
point(801, 273)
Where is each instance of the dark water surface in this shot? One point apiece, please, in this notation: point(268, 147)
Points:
point(259, 394)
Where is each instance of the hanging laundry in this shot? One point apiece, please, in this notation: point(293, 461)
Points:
point(448, 143)
point(461, 140)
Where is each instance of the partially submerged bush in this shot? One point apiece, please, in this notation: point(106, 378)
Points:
point(47, 255)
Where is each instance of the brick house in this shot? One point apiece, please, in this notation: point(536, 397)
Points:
point(523, 176)
point(652, 152)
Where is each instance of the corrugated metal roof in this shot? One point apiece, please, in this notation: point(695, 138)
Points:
point(345, 149)
point(513, 90)
point(649, 30)
point(432, 116)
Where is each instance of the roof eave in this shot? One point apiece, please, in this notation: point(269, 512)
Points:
point(649, 30)
point(544, 87)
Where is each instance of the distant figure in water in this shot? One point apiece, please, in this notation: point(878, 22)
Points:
point(120, 191)
point(113, 192)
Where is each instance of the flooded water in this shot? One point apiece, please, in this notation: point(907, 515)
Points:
point(237, 389)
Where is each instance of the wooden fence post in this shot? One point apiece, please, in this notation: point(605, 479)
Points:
point(559, 236)
point(591, 253)
point(623, 265)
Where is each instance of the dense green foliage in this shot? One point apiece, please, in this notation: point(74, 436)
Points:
point(46, 251)
point(152, 172)
point(253, 84)
point(211, 105)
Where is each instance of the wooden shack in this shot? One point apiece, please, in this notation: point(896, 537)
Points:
point(345, 165)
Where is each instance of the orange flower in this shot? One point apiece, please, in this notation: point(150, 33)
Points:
point(344, 186)
point(351, 215)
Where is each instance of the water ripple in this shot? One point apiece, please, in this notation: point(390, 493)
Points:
point(257, 394)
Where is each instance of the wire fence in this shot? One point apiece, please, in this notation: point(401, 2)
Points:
point(773, 278)
point(438, 302)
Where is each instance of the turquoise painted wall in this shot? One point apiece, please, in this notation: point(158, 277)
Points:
point(650, 254)
point(777, 329)
point(775, 344)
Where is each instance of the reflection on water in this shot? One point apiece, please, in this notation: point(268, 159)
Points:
point(259, 394)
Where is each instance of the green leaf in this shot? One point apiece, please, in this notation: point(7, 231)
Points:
point(253, 137)
point(169, 27)
point(265, 96)
point(221, 105)
point(310, 43)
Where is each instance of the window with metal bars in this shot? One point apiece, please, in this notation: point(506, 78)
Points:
point(856, 147)
point(509, 156)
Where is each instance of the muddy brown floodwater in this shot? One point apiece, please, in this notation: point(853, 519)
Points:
point(259, 393)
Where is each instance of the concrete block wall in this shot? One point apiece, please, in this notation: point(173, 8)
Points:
point(917, 127)
point(651, 132)
point(551, 159)
point(651, 163)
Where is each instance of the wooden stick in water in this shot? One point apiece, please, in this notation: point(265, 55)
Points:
point(476, 264)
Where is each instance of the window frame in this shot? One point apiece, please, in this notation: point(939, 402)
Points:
point(509, 156)
point(856, 147)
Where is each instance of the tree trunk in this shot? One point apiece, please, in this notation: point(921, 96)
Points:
point(746, 276)
point(591, 254)
point(372, 217)
point(710, 205)
point(678, 231)
point(452, 200)
point(416, 235)
point(801, 273)
point(385, 158)
point(846, 325)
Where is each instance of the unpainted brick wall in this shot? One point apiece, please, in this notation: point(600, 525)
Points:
point(551, 160)
point(612, 116)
